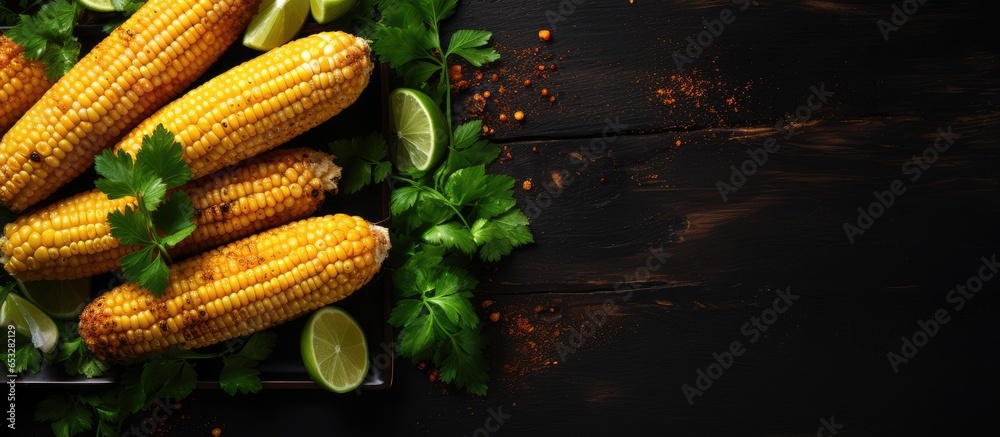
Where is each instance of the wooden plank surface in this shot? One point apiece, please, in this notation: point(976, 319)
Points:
point(648, 200)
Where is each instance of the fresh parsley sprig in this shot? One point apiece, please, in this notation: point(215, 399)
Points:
point(48, 36)
point(408, 37)
point(157, 221)
point(444, 218)
point(169, 377)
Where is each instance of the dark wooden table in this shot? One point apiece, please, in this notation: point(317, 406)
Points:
point(655, 301)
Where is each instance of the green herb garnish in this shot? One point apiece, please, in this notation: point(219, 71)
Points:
point(445, 219)
point(165, 379)
point(48, 36)
point(157, 221)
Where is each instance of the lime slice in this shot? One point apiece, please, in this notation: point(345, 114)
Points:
point(276, 22)
point(60, 299)
point(97, 5)
point(420, 129)
point(334, 350)
point(31, 321)
point(325, 11)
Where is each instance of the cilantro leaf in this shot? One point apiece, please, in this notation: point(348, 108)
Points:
point(116, 173)
point(170, 378)
point(48, 36)
point(259, 346)
point(153, 223)
point(403, 198)
point(461, 360)
point(469, 45)
point(26, 356)
point(363, 160)
point(417, 336)
point(129, 226)
point(175, 218)
point(398, 46)
point(466, 185)
point(457, 308)
point(498, 236)
point(67, 414)
point(154, 275)
point(405, 312)
point(239, 374)
point(162, 157)
point(451, 235)
point(77, 359)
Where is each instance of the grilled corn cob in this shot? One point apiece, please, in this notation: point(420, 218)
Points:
point(22, 83)
point(143, 64)
point(72, 238)
point(241, 288)
point(263, 102)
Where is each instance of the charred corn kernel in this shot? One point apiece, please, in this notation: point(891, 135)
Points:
point(22, 83)
point(228, 205)
point(263, 102)
point(112, 88)
point(281, 274)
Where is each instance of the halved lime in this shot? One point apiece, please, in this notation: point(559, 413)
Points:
point(97, 5)
point(420, 129)
point(276, 22)
point(60, 299)
point(29, 320)
point(334, 350)
point(325, 11)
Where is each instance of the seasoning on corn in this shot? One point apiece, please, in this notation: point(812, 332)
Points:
point(241, 288)
point(263, 102)
point(145, 62)
point(72, 239)
point(22, 83)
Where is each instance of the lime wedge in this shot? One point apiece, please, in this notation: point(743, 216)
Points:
point(325, 11)
point(276, 22)
point(420, 129)
point(334, 350)
point(97, 5)
point(60, 299)
point(30, 321)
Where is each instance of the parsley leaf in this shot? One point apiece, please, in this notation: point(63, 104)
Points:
point(26, 355)
point(363, 160)
point(469, 44)
point(127, 7)
point(48, 36)
point(239, 374)
point(152, 222)
point(162, 157)
point(77, 359)
point(68, 415)
point(259, 346)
